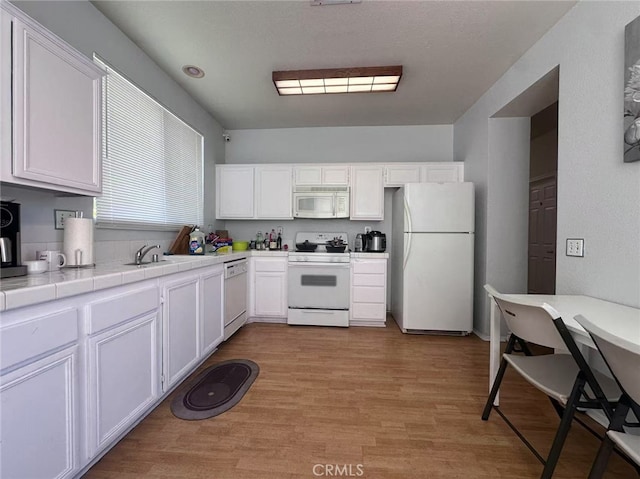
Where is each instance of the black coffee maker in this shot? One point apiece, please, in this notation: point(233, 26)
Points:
point(10, 262)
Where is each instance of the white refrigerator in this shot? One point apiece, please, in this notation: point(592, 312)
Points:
point(432, 257)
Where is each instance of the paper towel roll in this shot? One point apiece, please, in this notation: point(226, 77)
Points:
point(78, 241)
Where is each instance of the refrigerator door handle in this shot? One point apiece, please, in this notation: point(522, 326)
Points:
point(407, 215)
point(407, 249)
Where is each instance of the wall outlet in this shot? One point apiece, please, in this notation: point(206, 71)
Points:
point(60, 216)
point(575, 247)
point(367, 229)
point(280, 230)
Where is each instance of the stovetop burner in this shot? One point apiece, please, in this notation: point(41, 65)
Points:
point(313, 247)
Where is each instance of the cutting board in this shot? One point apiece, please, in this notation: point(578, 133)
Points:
point(181, 244)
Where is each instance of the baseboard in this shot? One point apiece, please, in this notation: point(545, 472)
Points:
point(267, 320)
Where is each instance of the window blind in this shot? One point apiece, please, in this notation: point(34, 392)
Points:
point(152, 162)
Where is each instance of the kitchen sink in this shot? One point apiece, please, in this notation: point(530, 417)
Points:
point(148, 263)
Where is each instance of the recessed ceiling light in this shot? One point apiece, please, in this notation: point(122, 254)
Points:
point(337, 80)
point(193, 71)
point(320, 3)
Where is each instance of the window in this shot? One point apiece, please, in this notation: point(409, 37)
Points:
point(152, 162)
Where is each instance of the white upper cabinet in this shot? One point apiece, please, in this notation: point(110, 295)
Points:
point(315, 175)
point(56, 98)
point(273, 192)
point(443, 172)
point(234, 192)
point(254, 192)
point(367, 193)
point(400, 174)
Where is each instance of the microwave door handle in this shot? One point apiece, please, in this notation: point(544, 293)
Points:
point(334, 201)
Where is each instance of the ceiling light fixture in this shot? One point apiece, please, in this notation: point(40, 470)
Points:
point(338, 80)
point(193, 71)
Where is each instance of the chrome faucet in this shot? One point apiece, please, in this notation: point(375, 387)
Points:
point(142, 252)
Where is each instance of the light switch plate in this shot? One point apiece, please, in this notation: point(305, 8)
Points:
point(60, 216)
point(575, 247)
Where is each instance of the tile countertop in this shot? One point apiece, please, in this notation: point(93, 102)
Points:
point(38, 288)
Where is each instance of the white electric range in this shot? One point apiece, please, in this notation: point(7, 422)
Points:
point(319, 281)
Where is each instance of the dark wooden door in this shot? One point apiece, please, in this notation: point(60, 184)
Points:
point(542, 236)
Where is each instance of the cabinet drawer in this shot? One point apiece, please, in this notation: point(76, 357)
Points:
point(270, 265)
point(373, 266)
point(107, 313)
point(37, 336)
point(369, 294)
point(368, 279)
point(369, 311)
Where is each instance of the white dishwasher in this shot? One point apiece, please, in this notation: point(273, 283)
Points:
point(235, 296)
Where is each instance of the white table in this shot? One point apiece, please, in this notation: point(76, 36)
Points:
point(619, 320)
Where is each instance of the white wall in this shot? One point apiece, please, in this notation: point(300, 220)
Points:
point(508, 205)
point(598, 195)
point(85, 28)
point(341, 144)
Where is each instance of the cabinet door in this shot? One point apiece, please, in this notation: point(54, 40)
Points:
point(180, 320)
point(442, 173)
point(39, 417)
point(57, 115)
point(122, 379)
point(5, 95)
point(335, 175)
point(211, 294)
point(398, 175)
point(273, 192)
point(367, 193)
point(308, 175)
point(270, 294)
point(234, 192)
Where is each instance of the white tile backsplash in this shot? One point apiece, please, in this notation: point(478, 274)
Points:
point(105, 251)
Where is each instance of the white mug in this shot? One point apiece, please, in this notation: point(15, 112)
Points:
point(54, 259)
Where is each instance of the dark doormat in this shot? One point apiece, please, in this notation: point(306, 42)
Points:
point(215, 390)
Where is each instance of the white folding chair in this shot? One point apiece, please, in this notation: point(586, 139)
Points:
point(623, 359)
point(565, 378)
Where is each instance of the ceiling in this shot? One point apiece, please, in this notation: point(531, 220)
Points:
point(451, 52)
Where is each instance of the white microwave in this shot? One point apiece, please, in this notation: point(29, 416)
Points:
point(321, 202)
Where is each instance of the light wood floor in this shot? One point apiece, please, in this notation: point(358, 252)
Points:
point(401, 406)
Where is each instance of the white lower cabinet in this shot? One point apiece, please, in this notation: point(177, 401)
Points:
point(181, 328)
point(368, 292)
point(76, 374)
point(268, 298)
point(122, 363)
point(39, 393)
point(212, 309)
point(39, 418)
